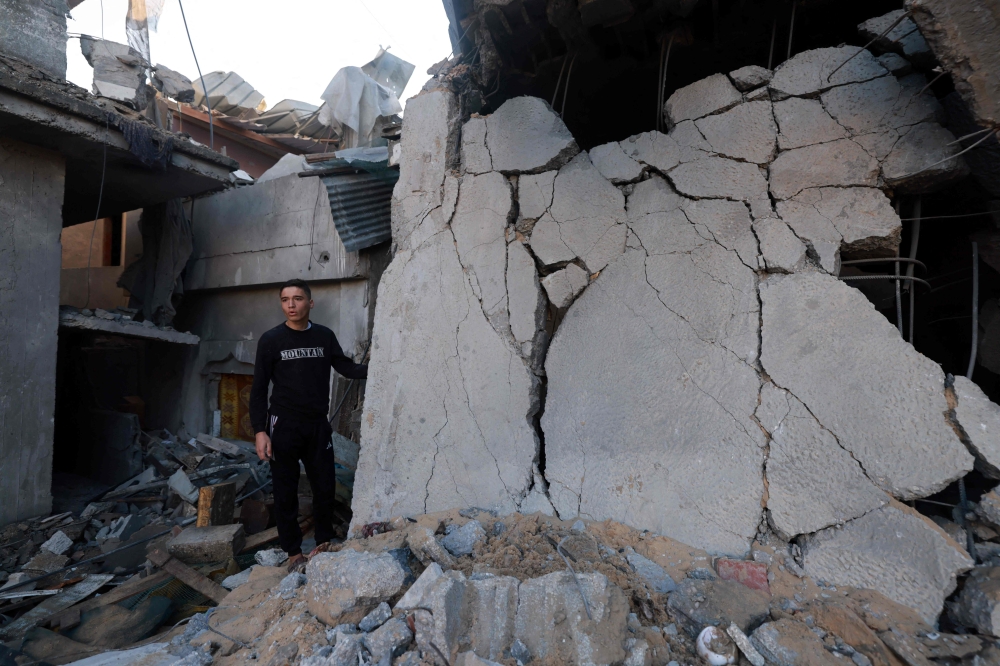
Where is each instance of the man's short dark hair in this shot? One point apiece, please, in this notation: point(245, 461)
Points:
point(300, 284)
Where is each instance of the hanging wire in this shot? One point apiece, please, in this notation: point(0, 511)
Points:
point(100, 197)
point(791, 31)
point(863, 48)
point(569, 73)
point(975, 309)
point(914, 239)
point(955, 156)
point(662, 91)
point(562, 69)
point(204, 89)
point(774, 32)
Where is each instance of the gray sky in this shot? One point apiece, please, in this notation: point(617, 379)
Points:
point(287, 49)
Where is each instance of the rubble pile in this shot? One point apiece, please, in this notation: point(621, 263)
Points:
point(476, 588)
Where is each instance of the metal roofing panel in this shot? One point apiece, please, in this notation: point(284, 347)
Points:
point(361, 206)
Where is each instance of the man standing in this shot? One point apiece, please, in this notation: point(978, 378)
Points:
point(296, 357)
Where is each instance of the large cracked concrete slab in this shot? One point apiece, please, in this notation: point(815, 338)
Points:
point(979, 419)
point(881, 400)
point(526, 136)
point(893, 550)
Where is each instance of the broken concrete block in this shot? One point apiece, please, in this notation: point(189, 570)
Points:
point(717, 603)
point(812, 482)
point(904, 38)
point(553, 623)
point(980, 419)
point(414, 596)
point(272, 557)
point(893, 550)
point(45, 562)
point(839, 163)
point(443, 624)
point(534, 194)
point(58, 543)
point(835, 219)
point(895, 63)
point(234, 581)
point(655, 149)
point(490, 609)
point(180, 483)
point(810, 72)
point(988, 507)
point(719, 178)
point(124, 527)
point(526, 136)
point(879, 105)
point(173, 84)
point(427, 549)
point(782, 250)
point(20, 577)
point(376, 618)
point(727, 223)
point(462, 540)
point(349, 583)
point(790, 643)
point(701, 98)
point(746, 132)
point(978, 604)
point(588, 211)
point(611, 160)
point(899, 437)
point(218, 543)
point(655, 576)
point(547, 243)
point(290, 584)
point(565, 285)
point(750, 77)
point(470, 659)
point(915, 163)
point(691, 144)
point(119, 71)
point(660, 330)
point(475, 157)
point(389, 640)
point(804, 122)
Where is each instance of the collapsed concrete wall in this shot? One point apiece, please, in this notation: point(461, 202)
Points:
point(31, 195)
point(713, 373)
point(35, 31)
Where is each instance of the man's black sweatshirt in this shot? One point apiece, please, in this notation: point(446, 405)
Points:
point(298, 362)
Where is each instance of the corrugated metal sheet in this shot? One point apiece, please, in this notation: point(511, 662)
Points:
point(361, 205)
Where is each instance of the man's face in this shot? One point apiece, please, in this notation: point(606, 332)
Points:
point(295, 304)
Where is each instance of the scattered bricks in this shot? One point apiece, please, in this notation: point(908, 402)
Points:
point(390, 639)
point(709, 95)
point(978, 605)
point(376, 618)
point(415, 595)
point(207, 544)
point(58, 544)
point(790, 643)
point(654, 575)
point(697, 603)
point(345, 586)
point(750, 574)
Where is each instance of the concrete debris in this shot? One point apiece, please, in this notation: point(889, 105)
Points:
point(58, 543)
point(376, 618)
point(811, 72)
point(978, 605)
point(705, 97)
point(841, 163)
point(388, 641)
point(476, 157)
point(717, 603)
point(526, 136)
point(979, 419)
point(438, 627)
point(234, 581)
point(345, 586)
point(900, 438)
point(750, 77)
point(173, 84)
point(216, 543)
point(893, 550)
point(656, 577)
point(119, 71)
point(745, 646)
point(291, 583)
point(180, 483)
point(272, 557)
point(790, 643)
point(895, 63)
point(747, 132)
point(923, 158)
point(614, 164)
point(804, 122)
point(965, 45)
point(719, 178)
point(905, 38)
point(414, 596)
point(461, 540)
point(564, 285)
point(428, 549)
point(781, 249)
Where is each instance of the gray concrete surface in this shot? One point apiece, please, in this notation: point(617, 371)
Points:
point(31, 195)
point(35, 31)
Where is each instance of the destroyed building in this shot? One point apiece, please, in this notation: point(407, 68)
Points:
point(682, 319)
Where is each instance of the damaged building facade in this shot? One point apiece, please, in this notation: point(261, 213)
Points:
point(680, 330)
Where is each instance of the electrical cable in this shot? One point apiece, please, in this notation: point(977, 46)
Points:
point(914, 240)
point(208, 102)
point(100, 197)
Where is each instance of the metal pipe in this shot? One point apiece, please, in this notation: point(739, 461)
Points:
point(858, 52)
point(902, 260)
point(914, 240)
point(975, 309)
point(885, 277)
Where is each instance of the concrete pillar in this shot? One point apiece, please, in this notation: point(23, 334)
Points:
point(31, 195)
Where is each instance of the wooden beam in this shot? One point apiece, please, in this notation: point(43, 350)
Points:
point(187, 575)
point(120, 593)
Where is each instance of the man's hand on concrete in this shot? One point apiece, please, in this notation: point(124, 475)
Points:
point(263, 443)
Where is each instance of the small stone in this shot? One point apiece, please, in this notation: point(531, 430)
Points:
point(750, 77)
point(519, 651)
point(655, 576)
point(670, 630)
point(579, 526)
point(390, 639)
point(790, 643)
point(376, 618)
point(234, 581)
point(333, 635)
point(461, 541)
point(290, 584)
point(270, 558)
point(58, 543)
